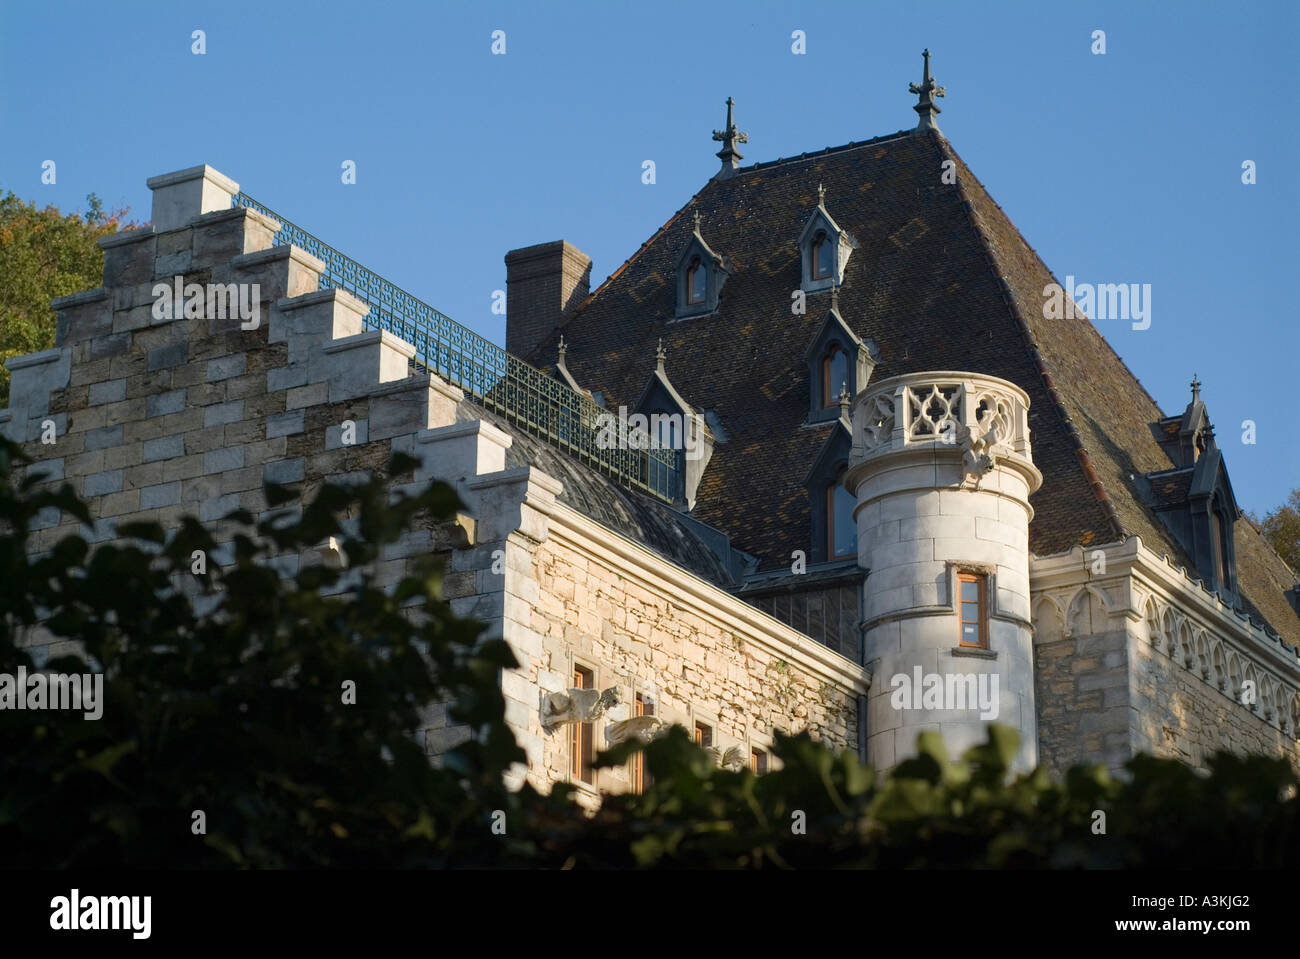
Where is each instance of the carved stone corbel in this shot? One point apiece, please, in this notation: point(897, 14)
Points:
point(577, 705)
point(642, 728)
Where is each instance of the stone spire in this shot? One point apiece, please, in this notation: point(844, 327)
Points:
point(927, 89)
point(729, 137)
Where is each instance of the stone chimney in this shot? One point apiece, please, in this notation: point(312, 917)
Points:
point(544, 284)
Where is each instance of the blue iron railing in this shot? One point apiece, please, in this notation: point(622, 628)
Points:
point(497, 380)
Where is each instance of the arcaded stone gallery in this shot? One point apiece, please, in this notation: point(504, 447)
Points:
point(815, 457)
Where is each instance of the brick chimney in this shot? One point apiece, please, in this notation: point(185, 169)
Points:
point(544, 284)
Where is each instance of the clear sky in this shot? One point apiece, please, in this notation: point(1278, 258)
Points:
point(1122, 167)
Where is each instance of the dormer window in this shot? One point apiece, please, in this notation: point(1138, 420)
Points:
point(697, 282)
point(830, 505)
point(825, 249)
point(823, 257)
point(700, 275)
point(842, 529)
point(835, 375)
point(838, 359)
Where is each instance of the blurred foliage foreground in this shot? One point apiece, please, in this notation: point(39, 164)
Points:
point(228, 738)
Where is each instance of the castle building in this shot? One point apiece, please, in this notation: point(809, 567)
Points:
point(817, 456)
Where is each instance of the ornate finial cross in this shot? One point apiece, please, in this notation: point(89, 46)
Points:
point(563, 348)
point(927, 89)
point(835, 297)
point(821, 194)
point(845, 399)
point(660, 355)
point(697, 221)
point(729, 137)
point(1196, 388)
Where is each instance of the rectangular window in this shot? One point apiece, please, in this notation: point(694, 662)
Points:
point(973, 609)
point(640, 775)
point(704, 734)
point(582, 741)
point(758, 761)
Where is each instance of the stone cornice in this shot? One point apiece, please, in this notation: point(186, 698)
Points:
point(1130, 562)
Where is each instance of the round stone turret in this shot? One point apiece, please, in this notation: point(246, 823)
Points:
point(942, 473)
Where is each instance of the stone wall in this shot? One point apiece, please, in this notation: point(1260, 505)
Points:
point(642, 626)
point(156, 417)
point(1133, 656)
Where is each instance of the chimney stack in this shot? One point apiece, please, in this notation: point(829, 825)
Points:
point(544, 284)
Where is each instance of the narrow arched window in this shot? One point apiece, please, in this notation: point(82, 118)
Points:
point(697, 281)
point(822, 259)
point(1219, 536)
point(835, 374)
point(841, 528)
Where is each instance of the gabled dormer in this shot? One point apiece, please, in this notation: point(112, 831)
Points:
point(824, 249)
point(833, 527)
point(1194, 500)
point(674, 425)
point(837, 359)
point(1183, 437)
point(700, 275)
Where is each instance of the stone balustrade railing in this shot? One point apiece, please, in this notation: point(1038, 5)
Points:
point(978, 415)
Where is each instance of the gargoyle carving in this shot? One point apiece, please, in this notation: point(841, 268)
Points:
point(577, 705)
point(732, 759)
point(644, 728)
point(978, 458)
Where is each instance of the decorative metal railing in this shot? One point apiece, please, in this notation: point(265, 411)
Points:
point(495, 379)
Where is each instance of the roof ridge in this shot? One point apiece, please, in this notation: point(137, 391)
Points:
point(1027, 334)
point(826, 151)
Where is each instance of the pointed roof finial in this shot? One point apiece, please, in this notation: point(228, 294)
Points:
point(697, 221)
point(1196, 388)
point(845, 399)
point(927, 89)
point(660, 356)
point(729, 137)
point(821, 195)
point(835, 297)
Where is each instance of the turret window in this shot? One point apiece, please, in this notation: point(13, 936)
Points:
point(973, 609)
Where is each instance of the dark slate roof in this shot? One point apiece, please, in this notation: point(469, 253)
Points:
point(1169, 490)
point(675, 537)
point(941, 280)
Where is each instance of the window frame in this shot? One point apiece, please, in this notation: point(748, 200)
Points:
point(702, 731)
point(582, 751)
point(831, 546)
point(696, 265)
point(819, 239)
point(639, 775)
point(982, 609)
point(830, 399)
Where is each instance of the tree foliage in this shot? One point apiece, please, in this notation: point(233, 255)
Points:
point(1281, 527)
point(223, 694)
point(44, 254)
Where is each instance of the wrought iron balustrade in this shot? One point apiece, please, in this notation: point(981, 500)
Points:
point(495, 379)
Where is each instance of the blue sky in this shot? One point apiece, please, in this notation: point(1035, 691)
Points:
point(1124, 167)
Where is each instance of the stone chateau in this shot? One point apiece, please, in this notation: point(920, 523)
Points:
point(883, 492)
